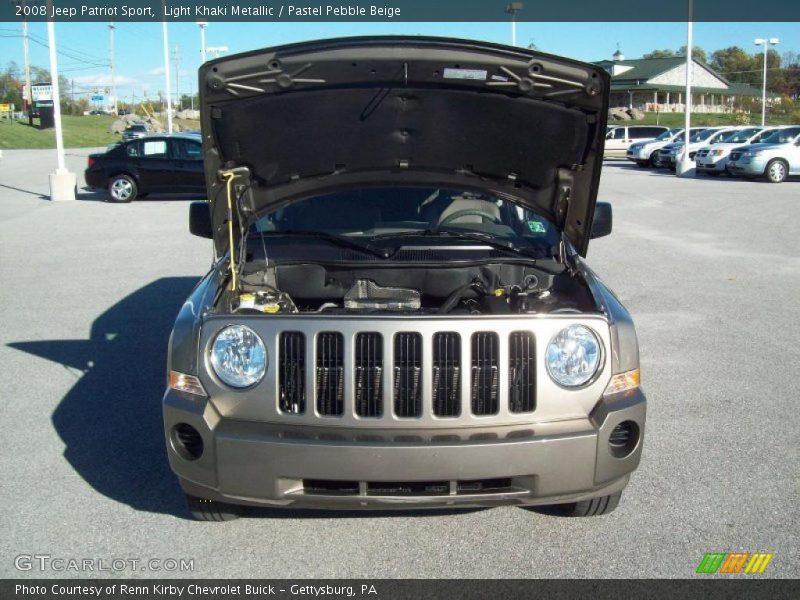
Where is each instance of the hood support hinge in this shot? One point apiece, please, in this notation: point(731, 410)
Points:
point(564, 194)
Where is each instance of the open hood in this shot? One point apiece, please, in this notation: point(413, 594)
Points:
point(311, 118)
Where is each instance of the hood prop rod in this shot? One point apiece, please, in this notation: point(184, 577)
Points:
point(229, 176)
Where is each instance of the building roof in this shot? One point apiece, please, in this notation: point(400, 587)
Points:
point(639, 74)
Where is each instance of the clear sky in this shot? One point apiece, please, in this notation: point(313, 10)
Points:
point(139, 50)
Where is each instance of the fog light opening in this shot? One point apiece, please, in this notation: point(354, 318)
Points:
point(186, 441)
point(623, 439)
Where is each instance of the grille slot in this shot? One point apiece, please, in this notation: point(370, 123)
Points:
point(328, 487)
point(446, 374)
point(485, 380)
point(484, 486)
point(408, 488)
point(521, 372)
point(292, 372)
point(330, 373)
point(369, 375)
point(408, 374)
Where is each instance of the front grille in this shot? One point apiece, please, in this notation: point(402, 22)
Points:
point(408, 374)
point(330, 373)
point(369, 375)
point(702, 153)
point(521, 372)
point(292, 372)
point(446, 374)
point(484, 365)
point(389, 375)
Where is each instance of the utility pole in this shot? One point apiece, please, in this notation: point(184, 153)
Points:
point(166, 74)
point(26, 54)
point(111, 28)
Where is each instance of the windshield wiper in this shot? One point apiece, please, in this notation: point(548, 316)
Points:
point(478, 237)
point(338, 240)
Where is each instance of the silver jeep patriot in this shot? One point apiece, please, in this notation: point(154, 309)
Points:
point(399, 314)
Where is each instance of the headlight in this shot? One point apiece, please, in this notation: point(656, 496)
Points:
point(573, 356)
point(716, 152)
point(238, 356)
point(752, 153)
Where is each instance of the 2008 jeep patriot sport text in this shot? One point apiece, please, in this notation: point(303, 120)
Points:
point(399, 314)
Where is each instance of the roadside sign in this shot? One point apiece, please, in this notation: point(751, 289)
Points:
point(42, 92)
point(97, 98)
point(6, 107)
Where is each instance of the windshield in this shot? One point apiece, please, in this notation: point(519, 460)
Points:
point(702, 136)
point(782, 136)
point(668, 134)
point(137, 128)
point(740, 136)
point(371, 214)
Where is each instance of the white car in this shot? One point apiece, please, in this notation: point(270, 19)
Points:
point(645, 154)
point(620, 138)
point(713, 159)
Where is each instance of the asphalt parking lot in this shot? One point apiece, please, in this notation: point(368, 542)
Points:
point(710, 269)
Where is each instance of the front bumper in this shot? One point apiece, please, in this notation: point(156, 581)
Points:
point(268, 464)
point(751, 167)
point(710, 164)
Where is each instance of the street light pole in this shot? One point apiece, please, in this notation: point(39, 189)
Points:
point(512, 9)
point(685, 168)
point(766, 42)
point(62, 182)
point(202, 25)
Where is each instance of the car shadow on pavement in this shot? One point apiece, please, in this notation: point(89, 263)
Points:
point(110, 421)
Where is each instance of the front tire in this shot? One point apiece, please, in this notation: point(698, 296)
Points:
point(593, 507)
point(202, 509)
point(777, 171)
point(122, 188)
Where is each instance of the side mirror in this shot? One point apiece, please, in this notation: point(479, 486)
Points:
point(601, 224)
point(200, 220)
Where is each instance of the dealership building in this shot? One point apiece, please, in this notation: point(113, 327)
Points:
point(659, 85)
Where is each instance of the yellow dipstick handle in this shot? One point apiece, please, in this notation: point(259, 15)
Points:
point(229, 177)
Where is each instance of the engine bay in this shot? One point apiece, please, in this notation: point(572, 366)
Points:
point(485, 289)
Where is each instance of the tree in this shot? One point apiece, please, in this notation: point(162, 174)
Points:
point(697, 53)
point(666, 53)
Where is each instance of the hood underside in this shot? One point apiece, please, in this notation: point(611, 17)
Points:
point(311, 118)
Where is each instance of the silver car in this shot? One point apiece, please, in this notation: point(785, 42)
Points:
point(134, 131)
point(646, 154)
point(713, 159)
point(399, 314)
point(775, 157)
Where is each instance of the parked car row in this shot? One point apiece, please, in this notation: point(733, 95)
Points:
point(771, 152)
